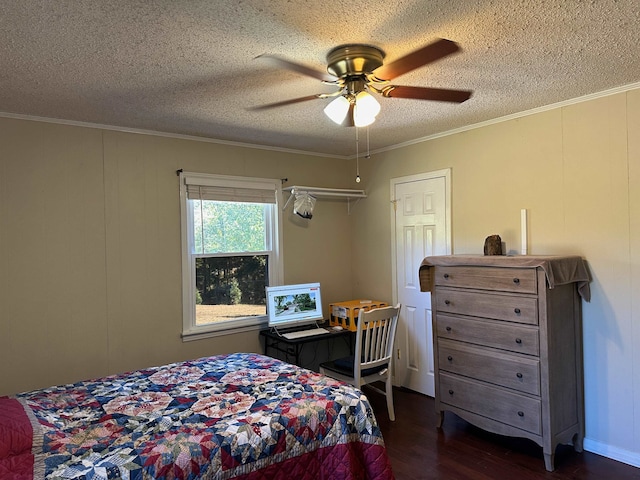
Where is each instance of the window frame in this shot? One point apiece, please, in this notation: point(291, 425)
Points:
point(191, 331)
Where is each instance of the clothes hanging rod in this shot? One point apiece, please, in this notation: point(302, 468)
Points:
point(326, 192)
point(345, 193)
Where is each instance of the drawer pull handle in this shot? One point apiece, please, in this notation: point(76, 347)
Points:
point(447, 302)
point(519, 375)
point(521, 413)
point(450, 358)
point(516, 281)
point(517, 310)
point(448, 329)
point(519, 341)
point(450, 392)
point(446, 275)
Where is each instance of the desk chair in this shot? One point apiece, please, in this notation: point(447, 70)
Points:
point(373, 357)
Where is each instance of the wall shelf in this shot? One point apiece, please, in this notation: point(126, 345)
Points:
point(318, 192)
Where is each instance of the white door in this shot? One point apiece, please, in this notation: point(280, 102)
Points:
point(422, 217)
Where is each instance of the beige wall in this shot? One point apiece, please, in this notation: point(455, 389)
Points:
point(90, 241)
point(577, 171)
point(90, 279)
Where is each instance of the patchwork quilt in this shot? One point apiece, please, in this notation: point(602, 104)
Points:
point(240, 416)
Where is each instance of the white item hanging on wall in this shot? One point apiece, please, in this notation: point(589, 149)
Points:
point(523, 231)
point(303, 204)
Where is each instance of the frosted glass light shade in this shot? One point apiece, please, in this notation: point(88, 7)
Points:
point(337, 110)
point(365, 110)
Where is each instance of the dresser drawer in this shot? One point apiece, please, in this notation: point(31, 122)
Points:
point(498, 404)
point(515, 338)
point(520, 280)
point(512, 308)
point(489, 365)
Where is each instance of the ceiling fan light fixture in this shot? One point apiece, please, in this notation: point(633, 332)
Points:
point(358, 69)
point(338, 109)
point(365, 110)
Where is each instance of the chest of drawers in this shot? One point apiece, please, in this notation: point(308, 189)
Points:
point(508, 350)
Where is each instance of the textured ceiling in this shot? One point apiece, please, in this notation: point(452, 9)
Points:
point(189, 67)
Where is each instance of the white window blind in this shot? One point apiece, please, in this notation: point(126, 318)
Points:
point(230, 189)
point(230, 194)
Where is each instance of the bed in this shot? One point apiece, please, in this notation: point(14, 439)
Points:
point(241, 416)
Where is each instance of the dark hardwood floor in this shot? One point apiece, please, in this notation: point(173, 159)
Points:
point(419, 450)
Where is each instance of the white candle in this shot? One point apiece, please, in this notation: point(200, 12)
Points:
point(523, 230)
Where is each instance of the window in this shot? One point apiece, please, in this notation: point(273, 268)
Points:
point(230, 252)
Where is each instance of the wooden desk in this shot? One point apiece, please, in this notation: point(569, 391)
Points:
point(294, 346)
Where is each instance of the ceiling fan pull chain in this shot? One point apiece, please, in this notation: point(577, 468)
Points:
point(357, 158)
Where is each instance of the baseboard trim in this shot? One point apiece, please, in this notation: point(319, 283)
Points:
point(619, 454)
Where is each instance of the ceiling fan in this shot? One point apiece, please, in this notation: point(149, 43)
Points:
point(358, 69)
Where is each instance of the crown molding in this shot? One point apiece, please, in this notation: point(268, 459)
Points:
point(506, 118)
point(139, 131)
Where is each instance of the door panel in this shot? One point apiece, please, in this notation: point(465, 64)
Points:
point(421, 229)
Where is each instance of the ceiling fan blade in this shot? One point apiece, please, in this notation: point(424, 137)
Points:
point(287, 102)
point(297, 67)
point(427, 54)
point(424, 93)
